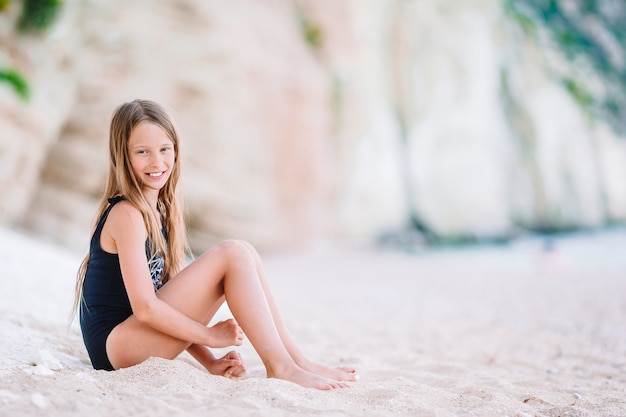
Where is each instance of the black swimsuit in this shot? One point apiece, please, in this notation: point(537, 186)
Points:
point(105, 302)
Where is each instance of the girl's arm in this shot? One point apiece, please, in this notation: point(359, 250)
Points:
point(128, 231)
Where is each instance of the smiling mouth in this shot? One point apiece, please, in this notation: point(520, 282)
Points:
point(156, 174)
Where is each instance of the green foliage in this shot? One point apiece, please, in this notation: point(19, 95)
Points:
point(38, 15)
point(526, 23)
point(579, 93)
point(590, 32)
point(4, 4)
point(311, 32)
point(15, 80)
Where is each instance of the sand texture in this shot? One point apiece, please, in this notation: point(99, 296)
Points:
point(486, 331)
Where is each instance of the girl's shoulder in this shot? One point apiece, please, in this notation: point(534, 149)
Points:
point(123, 205)
point(125, 215)
point(123, 224)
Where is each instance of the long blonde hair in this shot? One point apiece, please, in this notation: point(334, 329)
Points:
point(122, 181)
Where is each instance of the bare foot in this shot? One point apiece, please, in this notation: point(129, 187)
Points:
point(307, 379)
point(230, 366)
point(338, 374)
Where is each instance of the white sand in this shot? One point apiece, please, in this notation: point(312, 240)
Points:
point(478, 332)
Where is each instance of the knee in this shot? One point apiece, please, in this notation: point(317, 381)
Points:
point(236, 250)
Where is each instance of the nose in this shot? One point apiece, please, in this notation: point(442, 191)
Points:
point(155, 159)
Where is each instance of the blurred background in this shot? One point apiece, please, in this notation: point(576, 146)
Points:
point(408, 122)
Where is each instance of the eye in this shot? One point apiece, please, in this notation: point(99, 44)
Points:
point(166, 149)
point(142, 152)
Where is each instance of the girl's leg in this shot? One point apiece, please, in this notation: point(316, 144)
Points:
point(247, 301)
point(340, 374)
point(227, 270)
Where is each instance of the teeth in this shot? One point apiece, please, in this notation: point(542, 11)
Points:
point(156, 174)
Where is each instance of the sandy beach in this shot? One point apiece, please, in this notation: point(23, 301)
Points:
point(483, 331)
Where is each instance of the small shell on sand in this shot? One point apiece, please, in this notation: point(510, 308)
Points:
point(49, 361)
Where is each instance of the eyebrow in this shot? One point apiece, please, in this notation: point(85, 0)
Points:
point(147, 146)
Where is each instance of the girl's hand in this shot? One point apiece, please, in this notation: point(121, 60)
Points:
point(226, 333)
point(230, 366)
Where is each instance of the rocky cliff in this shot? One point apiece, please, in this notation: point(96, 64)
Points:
point(306, 119)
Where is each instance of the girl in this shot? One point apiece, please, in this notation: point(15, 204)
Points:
point(136, 299)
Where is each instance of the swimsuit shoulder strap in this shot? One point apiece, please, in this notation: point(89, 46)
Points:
point(112, 202)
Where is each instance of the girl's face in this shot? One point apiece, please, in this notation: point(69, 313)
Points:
point(152, 156)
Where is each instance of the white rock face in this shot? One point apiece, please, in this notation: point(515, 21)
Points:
point(28, 130)
point(612, 167)
point(560, 151)
point(368, 192)
point(250, 100)
point(495, 142)
point(459, 141)
point(369, 114)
